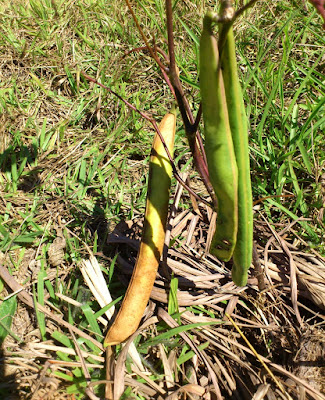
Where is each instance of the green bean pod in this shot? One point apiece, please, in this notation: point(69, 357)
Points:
point(218, 144)
point(242, 256)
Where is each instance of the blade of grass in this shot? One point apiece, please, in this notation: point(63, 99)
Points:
point(39, 300)
point(172, 298)
point(7, 311)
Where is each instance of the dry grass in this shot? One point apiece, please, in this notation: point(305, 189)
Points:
point(267, 318)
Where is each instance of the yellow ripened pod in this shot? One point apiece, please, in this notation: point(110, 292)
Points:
point(242, 256)
point(153, 237)
point(218, 144)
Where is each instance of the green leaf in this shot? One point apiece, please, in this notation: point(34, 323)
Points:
point(192, 35)
point(89, 314)
point(7, 311)
point(28, 238)
point(189, 354)
point(38, 295)
point(172, 298)
point(175, 331)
